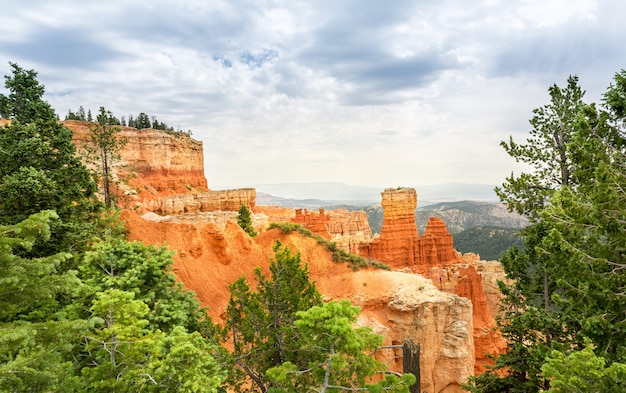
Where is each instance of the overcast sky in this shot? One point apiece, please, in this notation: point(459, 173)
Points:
point(378, 93)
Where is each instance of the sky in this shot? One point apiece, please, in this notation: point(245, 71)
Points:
point(363, 92)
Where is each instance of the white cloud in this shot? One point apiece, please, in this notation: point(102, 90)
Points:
point(369, 93)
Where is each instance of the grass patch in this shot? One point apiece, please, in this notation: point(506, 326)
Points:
point(339, 255)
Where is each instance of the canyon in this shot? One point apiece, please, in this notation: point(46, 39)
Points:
point(433, 295)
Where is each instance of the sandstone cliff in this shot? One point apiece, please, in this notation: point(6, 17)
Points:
point(433, 256)
point(346, 228)
point(166, 173)
point(398, 305)
point(165, 163)
point(400, 245)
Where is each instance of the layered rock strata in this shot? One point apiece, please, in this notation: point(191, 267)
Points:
point(165, 163)
point(346, 228)
point(400, 245)
point(166, 172)
point(221, 200)
point(433, 256)
point(398, 305)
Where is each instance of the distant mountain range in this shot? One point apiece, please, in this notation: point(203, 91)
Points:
point(315, 195)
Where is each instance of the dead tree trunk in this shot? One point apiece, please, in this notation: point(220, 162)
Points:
point(411, 363)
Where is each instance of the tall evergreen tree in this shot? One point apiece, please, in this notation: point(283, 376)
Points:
point(36, 338)
point(260, 324)
point(336, 355)
point(244, 219)
point(569, 277)
point(104, 152)
point(39, 168)
point(546, 151)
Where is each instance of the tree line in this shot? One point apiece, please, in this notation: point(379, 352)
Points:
point(140, 121)
point(84, 309)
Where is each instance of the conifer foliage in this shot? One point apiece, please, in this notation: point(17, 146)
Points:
point(244, 219)
point(39, 168)
point(568, 298)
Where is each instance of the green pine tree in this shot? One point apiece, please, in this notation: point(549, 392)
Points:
point(36, 337)
point(260, 324)
point(244, 219)
point(39, 168)
point(336, 355)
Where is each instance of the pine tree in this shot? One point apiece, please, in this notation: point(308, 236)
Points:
point(38, 159)
point(336, 355)
point(104, 152)
point(570, 275)
point(36, 337)
point(260, 324)
point(244, 220)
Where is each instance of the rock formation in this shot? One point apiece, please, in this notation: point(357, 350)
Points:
point(168, 172)
point(397, 245)
point(167, 163)
point(400, 245)
point(221, 200)
point(440, 299)
point(346, 228)
point(398, 305)
point(433, 255)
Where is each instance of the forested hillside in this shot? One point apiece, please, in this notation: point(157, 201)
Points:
point(487, 241)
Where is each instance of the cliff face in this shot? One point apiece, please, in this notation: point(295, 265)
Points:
point(398, 305)
point(222, 200)
point(346, 228)
point(166, 163)
point(166, 173)
point(433, 256)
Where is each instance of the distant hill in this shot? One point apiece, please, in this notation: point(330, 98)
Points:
point(489, 242)
point(267, 199)
point(463, 215)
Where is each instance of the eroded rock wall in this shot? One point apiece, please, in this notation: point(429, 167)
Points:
point(400, 245)
point(433, 256)
point(348, 229)
point(166, 162)
point(396, 304)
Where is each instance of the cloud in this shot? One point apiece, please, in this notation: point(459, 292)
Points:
point(360, 92)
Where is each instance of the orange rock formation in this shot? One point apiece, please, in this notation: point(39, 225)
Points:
point(165, 163)
point(346, 228)
point(397, 305)
point(400, 245)
point(433, 255)
point(427, 301)
point(168, 171)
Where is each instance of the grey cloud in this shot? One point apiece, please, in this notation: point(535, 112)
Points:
point(354, 48)
point(558, 52)
point(67, 48)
